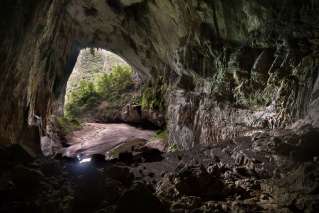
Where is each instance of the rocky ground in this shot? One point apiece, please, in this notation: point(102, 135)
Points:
point(95, 138)
point(271, 171)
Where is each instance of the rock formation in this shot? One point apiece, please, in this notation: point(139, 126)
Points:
point(231, 68)
point(274, 171)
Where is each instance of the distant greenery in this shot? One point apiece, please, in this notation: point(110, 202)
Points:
point(83, 97)
point(110, 87)
point(104, 96)
point(119, 81)
point(68, 125)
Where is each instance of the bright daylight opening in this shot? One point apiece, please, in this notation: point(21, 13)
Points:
point(106, 111)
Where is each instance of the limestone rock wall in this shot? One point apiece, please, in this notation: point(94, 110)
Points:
point(28, 31)
point(231, 65)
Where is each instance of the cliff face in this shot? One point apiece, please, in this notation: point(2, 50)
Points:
point(231, 66)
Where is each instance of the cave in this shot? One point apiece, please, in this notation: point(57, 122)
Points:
point(233, 84)
point(105, 111)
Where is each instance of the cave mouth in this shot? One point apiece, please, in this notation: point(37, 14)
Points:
point(103, 110)
point(96, 85)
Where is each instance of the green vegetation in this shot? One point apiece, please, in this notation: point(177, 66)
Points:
point(85, 96)
point(172, 148)
point(153, 96)
point(104, 97)
point(111, 87)
point(119, 81)
point(161, 134)
point(67, 125)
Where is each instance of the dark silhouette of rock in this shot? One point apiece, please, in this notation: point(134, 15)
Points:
point(126, 157)
point(118, 173)
point(140, 199)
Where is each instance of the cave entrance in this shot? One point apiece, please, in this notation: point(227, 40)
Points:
point(103, 113)
point(100, 84)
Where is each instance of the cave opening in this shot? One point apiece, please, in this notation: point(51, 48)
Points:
point(105, 111)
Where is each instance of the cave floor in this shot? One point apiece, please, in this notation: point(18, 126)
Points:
point(273, 171)
point(98, 138)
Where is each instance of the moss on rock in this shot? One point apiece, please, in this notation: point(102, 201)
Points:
point(153, 96)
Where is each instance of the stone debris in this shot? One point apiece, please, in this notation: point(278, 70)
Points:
point(269, 172)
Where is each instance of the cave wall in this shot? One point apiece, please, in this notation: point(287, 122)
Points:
point(36, 60)
point(19, 19)
point(232, 66)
